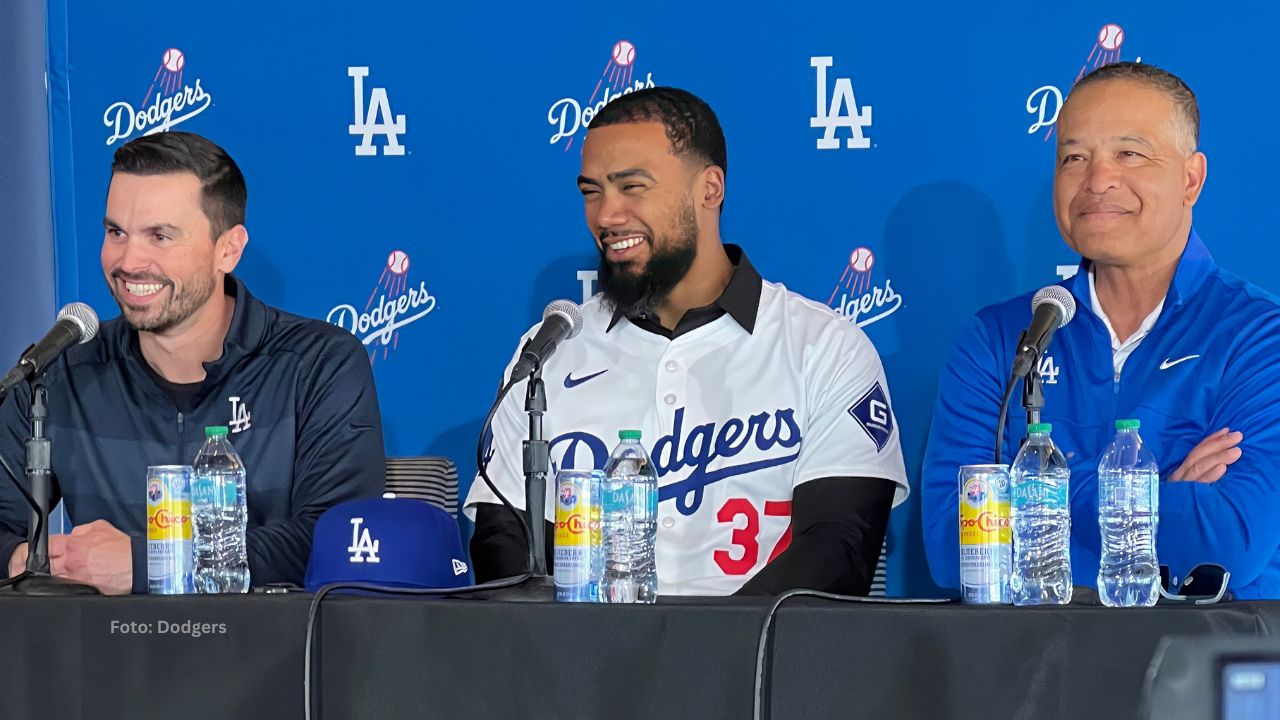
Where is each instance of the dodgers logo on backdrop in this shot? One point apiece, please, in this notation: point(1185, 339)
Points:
point(840, 111)
point(858, 297)
point(377, 121)
point(1045, 102)
point(873, 413)
point(169, 102)
point(393, 305)
point(569, 117)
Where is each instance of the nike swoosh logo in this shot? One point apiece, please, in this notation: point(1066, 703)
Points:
point(571, 382)
point(1170, 363)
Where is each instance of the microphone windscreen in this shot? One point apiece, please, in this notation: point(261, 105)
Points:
point(570, 311)
point(1059, 296)
point(82, 315)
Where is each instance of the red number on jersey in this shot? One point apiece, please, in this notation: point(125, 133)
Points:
point(747, 537)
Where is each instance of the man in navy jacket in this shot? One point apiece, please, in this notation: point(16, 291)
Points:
point(191, 348)
point(1162, 334)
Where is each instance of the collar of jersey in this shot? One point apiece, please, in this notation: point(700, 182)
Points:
point(1194, 267)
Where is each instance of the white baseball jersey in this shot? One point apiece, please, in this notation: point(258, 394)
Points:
point(734, 421)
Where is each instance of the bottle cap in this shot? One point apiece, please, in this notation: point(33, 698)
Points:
point(1128, 424)
point(1042, 428)
point(628, 434)
point(214, 431)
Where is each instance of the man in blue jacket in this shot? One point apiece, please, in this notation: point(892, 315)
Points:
point(191, 348)
point(1161, 334)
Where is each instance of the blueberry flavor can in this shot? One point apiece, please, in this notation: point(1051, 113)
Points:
point(579, 561)
point(170, 555)
point(986, 539)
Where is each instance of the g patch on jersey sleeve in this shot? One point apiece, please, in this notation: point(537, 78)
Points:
point(874, 415)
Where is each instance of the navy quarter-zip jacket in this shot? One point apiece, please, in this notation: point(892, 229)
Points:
point(297, 394)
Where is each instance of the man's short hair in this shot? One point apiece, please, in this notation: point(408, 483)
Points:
point(1187, 118)
point(692, 127)
point(222, 190)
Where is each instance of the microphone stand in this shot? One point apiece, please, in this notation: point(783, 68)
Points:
point(539, 587)
point(537, 465)
point(37, 580)
point(1032, 396)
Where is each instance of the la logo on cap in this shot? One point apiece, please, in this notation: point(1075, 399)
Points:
point(363, 547)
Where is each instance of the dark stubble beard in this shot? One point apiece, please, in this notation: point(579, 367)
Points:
point(183, 304)
point(669, 261)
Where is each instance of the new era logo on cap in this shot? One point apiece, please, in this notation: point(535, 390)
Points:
point(387, 541)
point(873, 414)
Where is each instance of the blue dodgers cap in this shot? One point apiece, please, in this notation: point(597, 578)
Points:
point(387, 541)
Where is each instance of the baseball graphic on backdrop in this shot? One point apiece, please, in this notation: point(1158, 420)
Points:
point(862, 259)
point(1111, 36)
point(398, 262)
point(174, 60)
point(624, 53)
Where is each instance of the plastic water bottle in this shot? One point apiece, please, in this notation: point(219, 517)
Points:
point(1128, 513)
point(629, 500)
point(219, 515)
point(1041, 522)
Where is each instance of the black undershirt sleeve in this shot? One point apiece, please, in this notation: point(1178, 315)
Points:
point(838, 525)
point(498, 547)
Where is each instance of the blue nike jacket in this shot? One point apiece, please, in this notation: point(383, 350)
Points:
point(297, 394)
point(1212, 360)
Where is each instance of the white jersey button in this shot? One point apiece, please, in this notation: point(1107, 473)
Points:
point(672, 366)
point(670, 399)
point(668, 522)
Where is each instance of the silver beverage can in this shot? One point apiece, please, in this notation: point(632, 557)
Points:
point(170, 553)
point(986, 538)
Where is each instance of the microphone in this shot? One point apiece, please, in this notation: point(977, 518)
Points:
point(561, 321)
point(1052, 308)
point(77, 323)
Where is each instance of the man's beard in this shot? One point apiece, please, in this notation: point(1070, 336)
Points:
point(182, 303)
point(669, 261)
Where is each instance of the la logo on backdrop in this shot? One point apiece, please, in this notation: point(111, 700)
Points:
point(570, 118)
point(858, 296)
point(1045, 102)
point(394, 304)
point(840, 111)
point(168, 102)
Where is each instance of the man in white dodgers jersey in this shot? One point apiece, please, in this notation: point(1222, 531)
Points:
point(767, 415)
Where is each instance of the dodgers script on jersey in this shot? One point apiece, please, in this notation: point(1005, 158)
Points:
point(734, 421)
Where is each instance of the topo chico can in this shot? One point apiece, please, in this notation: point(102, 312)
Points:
point(579, 559)
point(170, 555)
point(986, 540)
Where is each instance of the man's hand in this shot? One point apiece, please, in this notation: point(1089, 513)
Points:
point(96, 554)
point(18, 560)
point(1208, 461)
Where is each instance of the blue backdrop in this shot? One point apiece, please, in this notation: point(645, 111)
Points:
point(451, 132)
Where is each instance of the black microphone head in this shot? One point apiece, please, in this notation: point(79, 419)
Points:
point(569, 311)
point(1059, 296)
point(83, 316)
